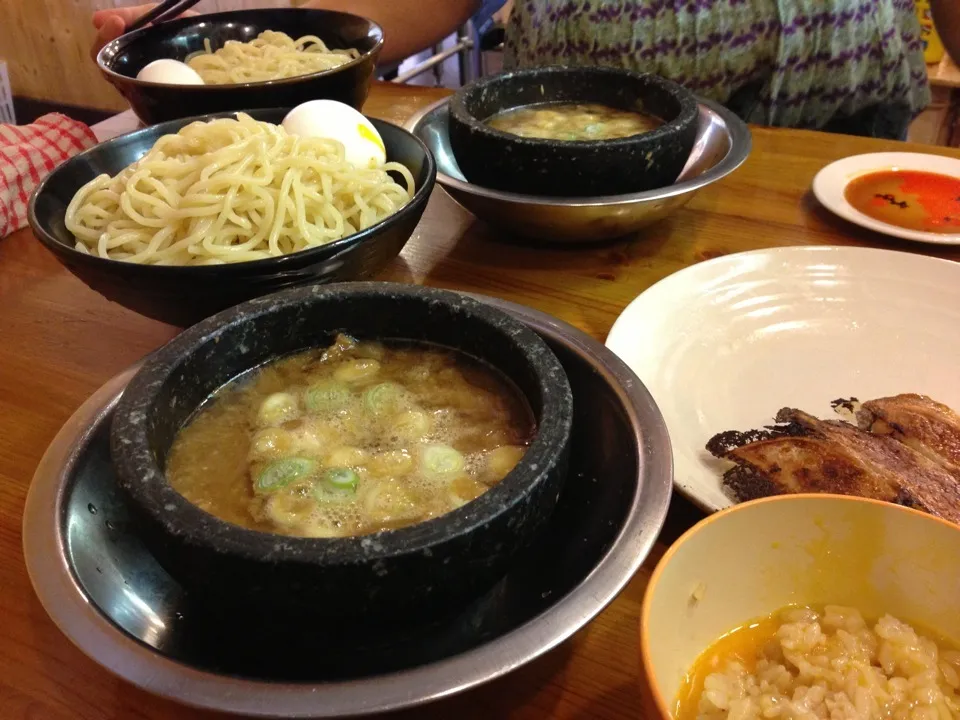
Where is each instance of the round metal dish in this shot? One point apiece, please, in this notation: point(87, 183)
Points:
point(112, 599)
point(723, 143)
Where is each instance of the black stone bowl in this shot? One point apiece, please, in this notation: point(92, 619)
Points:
point(184, 295)
point(121, 60)
point(421, 571)
point(531, 166)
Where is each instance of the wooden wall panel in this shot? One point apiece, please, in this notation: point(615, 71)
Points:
point(46, 45)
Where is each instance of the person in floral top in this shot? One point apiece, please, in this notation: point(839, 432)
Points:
point(851, 66)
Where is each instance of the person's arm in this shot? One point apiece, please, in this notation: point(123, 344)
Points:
point(409, 26)
point(112, 23)
point(946, 16)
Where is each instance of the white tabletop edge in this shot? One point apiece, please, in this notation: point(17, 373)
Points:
point(117, 125)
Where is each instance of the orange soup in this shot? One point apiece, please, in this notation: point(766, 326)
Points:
point(910, 199)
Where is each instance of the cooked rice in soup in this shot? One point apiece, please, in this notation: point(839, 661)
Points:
point(800, 664)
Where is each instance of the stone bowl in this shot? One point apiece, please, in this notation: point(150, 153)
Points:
point(106, 593)
point(533, 166)
point(422, 571)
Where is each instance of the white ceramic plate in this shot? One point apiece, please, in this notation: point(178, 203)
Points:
point(830, 183)
point(723, 345)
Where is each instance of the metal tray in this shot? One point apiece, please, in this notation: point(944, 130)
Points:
point(723, 143)
point(111, 598)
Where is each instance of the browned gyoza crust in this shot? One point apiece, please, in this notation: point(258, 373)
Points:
point(927, 426)
point(804, 454)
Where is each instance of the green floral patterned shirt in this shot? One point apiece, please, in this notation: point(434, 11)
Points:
point(846, 65)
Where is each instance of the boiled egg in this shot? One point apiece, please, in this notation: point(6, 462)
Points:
point(333, 120)
point(169, 72)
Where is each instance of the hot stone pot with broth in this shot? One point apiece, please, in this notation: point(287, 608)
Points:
point(416, 572)
point(538, 166)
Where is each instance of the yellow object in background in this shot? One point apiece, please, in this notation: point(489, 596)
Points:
point(932, 46)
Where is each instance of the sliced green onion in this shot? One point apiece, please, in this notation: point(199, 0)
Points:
point(337, 485)
point(442, 460)
point(383, 398)
point(341, 478)
point(281, 473)
point(326, 396)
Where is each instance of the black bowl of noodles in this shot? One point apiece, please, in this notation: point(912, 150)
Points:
point(184, 294)
point(154, 102)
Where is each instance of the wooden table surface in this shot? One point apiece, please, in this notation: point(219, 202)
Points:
point(61, 341)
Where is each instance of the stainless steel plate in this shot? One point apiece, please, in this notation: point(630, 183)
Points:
point(112, 599)
point(723, 143)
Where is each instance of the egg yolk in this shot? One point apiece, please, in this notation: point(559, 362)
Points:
point(368, 134)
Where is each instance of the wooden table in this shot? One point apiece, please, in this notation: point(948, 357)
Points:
point(61, 341)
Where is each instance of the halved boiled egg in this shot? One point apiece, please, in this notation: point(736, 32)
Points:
point(331, 119)
point(169, 72)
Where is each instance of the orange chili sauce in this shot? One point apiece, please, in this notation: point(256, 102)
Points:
point(910, 199)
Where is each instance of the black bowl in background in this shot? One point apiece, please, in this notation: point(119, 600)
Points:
point(532, 166)
point(121, 60)
point(414, 572)
point(182, 295)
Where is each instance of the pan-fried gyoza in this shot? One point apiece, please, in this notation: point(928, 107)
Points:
point(925, 425)
point(904, 449)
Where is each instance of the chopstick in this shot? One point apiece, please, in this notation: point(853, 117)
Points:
point(167, 10)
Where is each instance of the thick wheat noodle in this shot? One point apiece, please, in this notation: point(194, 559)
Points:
point(230, 191)
point(270, 56)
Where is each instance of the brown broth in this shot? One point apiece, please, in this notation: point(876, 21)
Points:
point(910, 199)
point(573, 121)
point(351, 440)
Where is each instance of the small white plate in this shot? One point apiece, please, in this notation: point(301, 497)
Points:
point(831, 182)
point(723, 345)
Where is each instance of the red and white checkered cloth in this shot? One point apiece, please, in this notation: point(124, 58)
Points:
point(27, 154)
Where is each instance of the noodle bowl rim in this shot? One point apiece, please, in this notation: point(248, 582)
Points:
point(126, 40)
point(330, 250)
